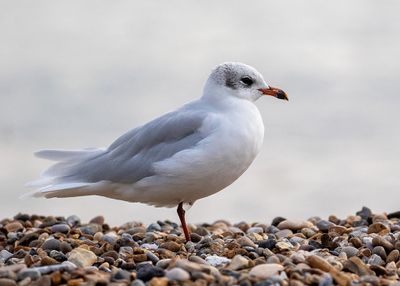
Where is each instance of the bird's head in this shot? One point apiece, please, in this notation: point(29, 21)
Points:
point(239, 80)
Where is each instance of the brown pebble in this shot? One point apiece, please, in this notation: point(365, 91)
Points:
point(393, 256)
point(357, 243)
point(378, 228)
point(7, 282)
point(171, 245)
point(357, 266)
point(14, 226)
point(97, 220)
point(380, 241)
point(48, 261)
point(75, 282)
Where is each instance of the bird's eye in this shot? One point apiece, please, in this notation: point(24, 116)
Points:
point(247, 81)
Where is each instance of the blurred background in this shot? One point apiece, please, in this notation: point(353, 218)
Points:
point(78, 74)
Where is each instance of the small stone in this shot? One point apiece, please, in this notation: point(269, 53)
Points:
point(97, 220)
point(324, 225)
point(65, 247)
point(255, 229)
point(265, 271)
point(294, 224)
point(58, 255)
point(121, 275)
point(4, 255)
point(154, 227)
point(364, 213)
point(177, 274)
point(152, 257)
point(268, 243)
point(91, 229)
point(31, 273)
point(350, 251)
point(158, 281)
point(393, 256)
point(82, 257)
point(357, 266)
point(277, 220)
point(380, 241)
point(283, 245)
point(73, 220)
point(51, 244)
point(7, 282)
point(48, 261)
point(63, 228)
point(378, 228)
point(379, 250)
point(195, 237)
point(284, 233)
point(245, 241)
point(171, 245)
point(14, 226)
point(147, 272)
point(216, 260)
point(375, 260)
point(238, 262)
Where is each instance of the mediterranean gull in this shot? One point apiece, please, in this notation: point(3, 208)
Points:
point(177, 158)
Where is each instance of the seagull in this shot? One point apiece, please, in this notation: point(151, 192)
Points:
point(177, 158)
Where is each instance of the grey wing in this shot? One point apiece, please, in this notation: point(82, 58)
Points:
point(131, 157)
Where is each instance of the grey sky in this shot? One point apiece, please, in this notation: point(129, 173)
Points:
point(78, 74)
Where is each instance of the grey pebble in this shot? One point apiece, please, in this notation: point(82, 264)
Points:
point(152, 257)
point(63, 228)
point(323, 225)
point(58, 255)
point(379, 250)
point(73, 220)
point(375, 260)
point(31, 273)
point(51, 244)
point(4, 255)
point(153, 227)
point(255, 229)
point(349, 250)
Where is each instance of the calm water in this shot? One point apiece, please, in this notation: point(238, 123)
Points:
point(78, 75)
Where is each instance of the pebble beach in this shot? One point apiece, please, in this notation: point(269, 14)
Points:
point(360, 249)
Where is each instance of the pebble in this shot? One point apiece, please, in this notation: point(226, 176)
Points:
point(73, 220)
point(51, 244)
point(177, 274)
point(245, 241)
point(238, 262)
point(216, 260)
point(82, 257)
point(265, 271)
point(294, 224)
point(255, 229)
point(14, 226)
point(283, 233)
point(171, 245)
point(147, 272)
point(31, 273)
point(63, 228)
point(363, 248)
point(350, 251)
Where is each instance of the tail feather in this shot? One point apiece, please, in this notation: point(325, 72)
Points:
point(54, 181)
point(67, 155)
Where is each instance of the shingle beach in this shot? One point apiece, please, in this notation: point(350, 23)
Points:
point(361, 249)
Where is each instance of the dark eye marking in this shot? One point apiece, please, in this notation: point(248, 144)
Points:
point(247, 80)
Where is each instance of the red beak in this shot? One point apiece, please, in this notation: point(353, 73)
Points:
point(273, 91)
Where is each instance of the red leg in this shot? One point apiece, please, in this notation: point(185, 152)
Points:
point(181, 214)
